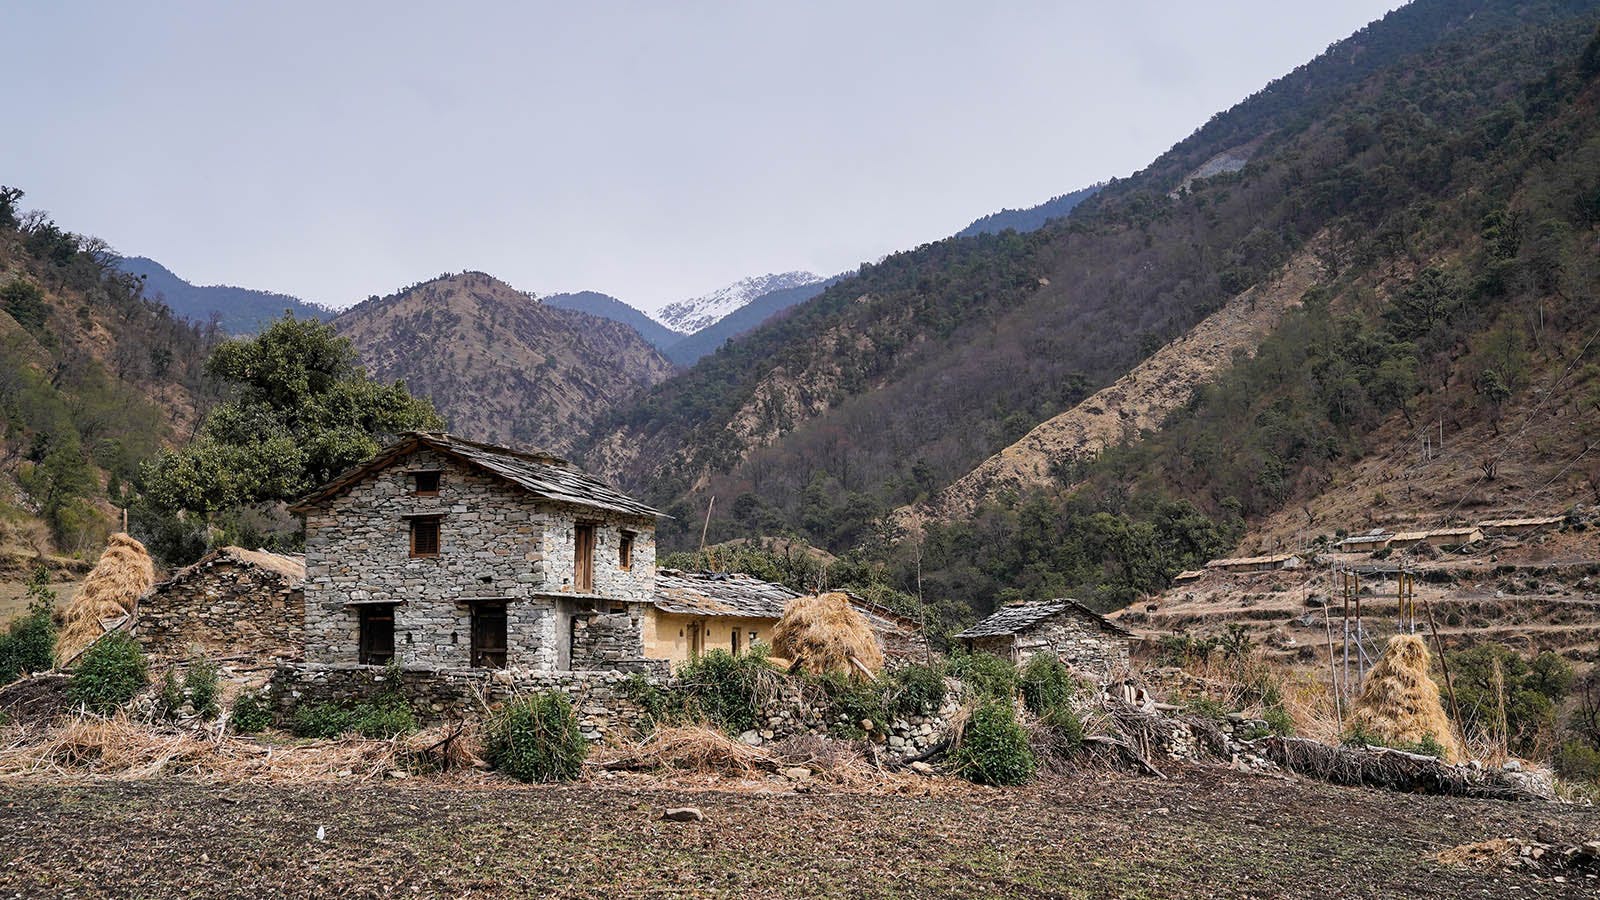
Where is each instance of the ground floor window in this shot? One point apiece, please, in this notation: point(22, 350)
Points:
point(377, 634)
point(489, 635)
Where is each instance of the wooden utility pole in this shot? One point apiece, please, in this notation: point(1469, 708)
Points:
point(707, 526)
point(1438, 647)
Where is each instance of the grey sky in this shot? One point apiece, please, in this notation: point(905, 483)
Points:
point(653, 151)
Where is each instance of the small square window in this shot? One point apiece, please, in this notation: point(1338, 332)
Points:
point(427, 483)
point(425, 536)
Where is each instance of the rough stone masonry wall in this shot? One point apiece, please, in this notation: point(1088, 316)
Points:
point(1081, 644)
point(495, 541)
point(605, 639)
point(224, 608)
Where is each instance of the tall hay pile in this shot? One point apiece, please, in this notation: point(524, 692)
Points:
point(824, 633)
point(123, 573)
point(1399, 703)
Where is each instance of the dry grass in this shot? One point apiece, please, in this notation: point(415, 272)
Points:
point(823, 634)
point(123, 573)
point(116, 748)
point(706, 753)
point(701, 749)
point(1399, 702)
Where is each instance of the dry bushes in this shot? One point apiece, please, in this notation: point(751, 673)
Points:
point(701, 749)
point(1399, 703)
point(122, 575)
point(824, 634)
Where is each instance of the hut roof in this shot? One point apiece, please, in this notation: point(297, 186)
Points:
point(1531, 522)
point(1023, 616)
point(543, 475)
point(1250, 560)
point(720, 594)
point(1461, 531)
point(291, 568)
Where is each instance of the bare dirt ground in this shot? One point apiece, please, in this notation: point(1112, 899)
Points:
point(1203, 833)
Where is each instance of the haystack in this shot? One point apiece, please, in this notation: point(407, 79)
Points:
point(123, 573)
point(824, 633)
point(1399, 704)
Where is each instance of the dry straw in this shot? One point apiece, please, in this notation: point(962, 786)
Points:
point(1399, 704)
point(123, 573)
point(824, 633)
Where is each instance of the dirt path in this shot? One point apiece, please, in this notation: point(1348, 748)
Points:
point(1201, 834)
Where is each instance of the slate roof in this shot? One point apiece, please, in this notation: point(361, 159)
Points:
point(1251, 560)
point(543, 475)
point(1023, 616)
point(720, 594)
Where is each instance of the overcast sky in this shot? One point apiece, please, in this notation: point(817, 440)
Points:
point(653, 151)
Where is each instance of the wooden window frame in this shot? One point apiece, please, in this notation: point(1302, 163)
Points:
point(483, 657)
point(372, 619)
point(438, 538)
point(625, 551)
point(425, 484)
point(583, 541)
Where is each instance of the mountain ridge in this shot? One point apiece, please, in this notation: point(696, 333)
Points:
point(239, 310)
point(691, 315)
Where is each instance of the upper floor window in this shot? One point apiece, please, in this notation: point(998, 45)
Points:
point(583, 559)
point(625, 551)
point(425, 536)
point(425, 484)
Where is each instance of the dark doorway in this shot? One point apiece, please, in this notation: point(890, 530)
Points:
point(377, 634)
point(489, 635)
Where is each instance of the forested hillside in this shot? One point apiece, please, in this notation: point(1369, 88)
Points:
point(94, 379)
point(1419, 144)
point(498, 364)
point(1032, 218)
point(237, 310)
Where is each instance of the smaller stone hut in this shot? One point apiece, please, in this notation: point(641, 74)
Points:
point(1076, 634)
point(234, 603)
point(1270, 563)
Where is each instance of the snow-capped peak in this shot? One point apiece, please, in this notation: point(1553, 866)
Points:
point(689, 316)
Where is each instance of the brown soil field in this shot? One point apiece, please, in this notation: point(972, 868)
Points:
point(1201, 833)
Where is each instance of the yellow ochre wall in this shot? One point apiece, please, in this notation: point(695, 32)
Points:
point(667, 635)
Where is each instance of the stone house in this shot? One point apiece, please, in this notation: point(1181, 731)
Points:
point(1526, 525)
point(443, 553)
point(1438, 537)
point(243, 605)
point(1076, 634)
point(1370, 542)
point(693, 612)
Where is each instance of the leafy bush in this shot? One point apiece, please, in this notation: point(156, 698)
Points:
point(917, 689)
point(1576, 759)
point(170, 697)
point(659, 705)
point(722, 688)
point(385, 716)
point(1278, 721)
point(994, 747)
point(109, 673)
point(855, 701)
point(1534, 688)
point(1047, 684)
point(28, 644)
point(1428, 746)
point(1066, 725)
point(536, 738)
point(985, 674)
point(251, 714)
point(200, 683)
point(1206, 708)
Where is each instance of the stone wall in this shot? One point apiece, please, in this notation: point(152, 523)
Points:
point(495, 542)
point(1082, 644)
point(606, 635)
point(223, 607)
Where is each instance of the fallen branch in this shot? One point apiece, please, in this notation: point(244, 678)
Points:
point(1384, 767)
point(1126, 750)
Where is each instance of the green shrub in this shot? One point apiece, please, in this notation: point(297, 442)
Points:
point(109, 673)
point(1278, 721)
point(536, 738)
point(251, 713)
point(722, 688)
point(994, 747)
point(660, 706)
point(1428, 746)
point(1578, 760)
point(28, 644)
point(1206, 708)
point(170, 697)
point(985, 674)
point(917, 689)
point(854, 701)
point(1065, 724)
point(1046, 683)
point(385, 716)
point(200, 684)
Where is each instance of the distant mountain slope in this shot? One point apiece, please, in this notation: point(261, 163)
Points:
point(241, 310)
point(608, 307)
point(742, 320)
point(1031, 219)
point(689, 316)
point(500, 365)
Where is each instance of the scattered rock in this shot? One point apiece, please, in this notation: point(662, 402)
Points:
point(683, 814)
point(798, 773)
point(922, 768)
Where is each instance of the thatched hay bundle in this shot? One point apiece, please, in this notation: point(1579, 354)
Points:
point(1399, 703)
point(123, 573)
point(824, 633)
point(693, 748)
